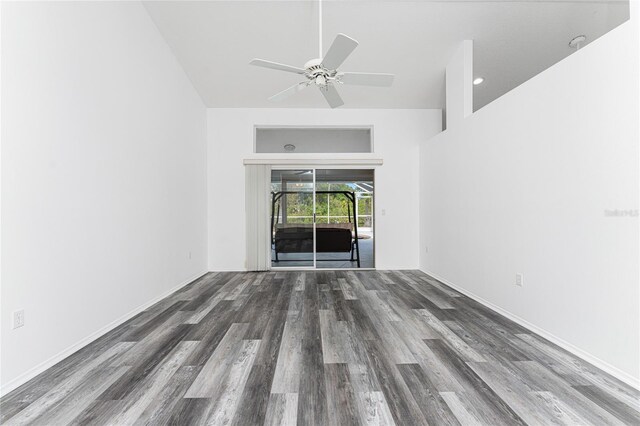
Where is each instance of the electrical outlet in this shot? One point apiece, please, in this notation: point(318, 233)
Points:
point(189, 255)
point(519, 280)
point(18, 319)
point(426, 249)
point(384, 212)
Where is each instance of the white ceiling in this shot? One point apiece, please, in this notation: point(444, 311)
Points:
point(513, 40)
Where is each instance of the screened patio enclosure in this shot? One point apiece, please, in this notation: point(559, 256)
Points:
point(322, 218)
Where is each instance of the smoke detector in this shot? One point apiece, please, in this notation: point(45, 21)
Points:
point(289, 147)
point(576, 42)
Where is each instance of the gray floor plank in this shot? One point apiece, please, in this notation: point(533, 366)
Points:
point(402, 405)
point(153, 384)
point(614, 406)
point(342, 405)
point(433, 407)
point(288, 369)
point(228, 399)
point(80, 398)
point(462, 414)
point(510, 389)
point(553, 383)
point(489, 405)
point(282, 410)
point(49, 400)
point(190, 411)
point(161, 409)
point(373, 409)
point(215, 370)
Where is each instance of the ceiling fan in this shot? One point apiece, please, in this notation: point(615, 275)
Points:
point(323, 71)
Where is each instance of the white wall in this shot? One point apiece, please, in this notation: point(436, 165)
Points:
point(459, 84)
point(397, 134)
point(523, 184)
point(103, 174)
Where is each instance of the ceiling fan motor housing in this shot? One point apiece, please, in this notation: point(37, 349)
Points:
point(318, 74)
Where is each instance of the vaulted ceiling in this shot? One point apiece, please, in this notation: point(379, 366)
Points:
point(513, 41)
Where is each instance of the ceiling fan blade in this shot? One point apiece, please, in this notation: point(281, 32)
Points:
point(366, 79)
point(276, 66)
point(289, 92)
point(331, 95)
point(341, 47)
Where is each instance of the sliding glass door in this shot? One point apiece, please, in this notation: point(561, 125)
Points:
point(322, 218)
point(343, 218)
point(292, 208)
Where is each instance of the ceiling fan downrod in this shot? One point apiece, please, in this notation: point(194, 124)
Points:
point(319, 28)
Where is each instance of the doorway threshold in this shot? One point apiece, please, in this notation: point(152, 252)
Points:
point(312, 269)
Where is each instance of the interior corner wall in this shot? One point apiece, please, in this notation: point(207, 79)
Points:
point(544, 182)
point(103, 175)
point(396, 135)
point(459, 84)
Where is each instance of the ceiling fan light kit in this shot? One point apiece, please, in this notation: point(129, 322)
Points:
point(323, 72)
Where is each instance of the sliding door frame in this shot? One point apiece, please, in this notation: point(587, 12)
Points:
point(313, 168)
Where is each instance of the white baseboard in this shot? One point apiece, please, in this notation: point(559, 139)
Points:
point(33, 372)
point(586, 356)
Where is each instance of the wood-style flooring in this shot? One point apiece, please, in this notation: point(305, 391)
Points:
point(321, 348)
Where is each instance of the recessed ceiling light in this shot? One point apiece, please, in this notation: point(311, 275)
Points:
point(477, 81)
